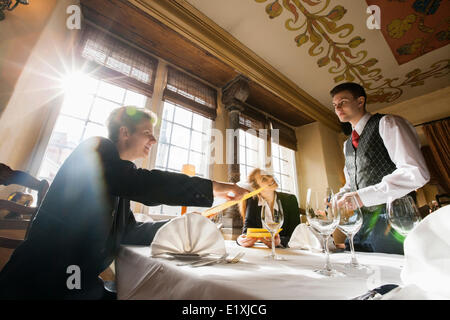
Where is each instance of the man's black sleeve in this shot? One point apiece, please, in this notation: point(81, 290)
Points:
point(141, 233)
point(152, 187)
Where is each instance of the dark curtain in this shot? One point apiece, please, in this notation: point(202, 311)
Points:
point(438, 136)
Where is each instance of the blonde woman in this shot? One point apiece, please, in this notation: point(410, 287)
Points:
point(251, 210)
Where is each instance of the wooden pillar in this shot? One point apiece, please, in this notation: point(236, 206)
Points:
point(234, 95)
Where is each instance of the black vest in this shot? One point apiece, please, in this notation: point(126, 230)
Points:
point(370, 162)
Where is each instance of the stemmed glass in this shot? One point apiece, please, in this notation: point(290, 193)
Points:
point(272, 221)
point(403, 214)
point(323, 216)
point(351, 220)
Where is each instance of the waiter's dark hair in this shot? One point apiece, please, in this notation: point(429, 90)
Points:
point(355, 89)
point(129, 117)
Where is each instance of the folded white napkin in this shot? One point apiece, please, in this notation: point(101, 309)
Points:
point(306, 238)
point(427, 259)
point(189, 234)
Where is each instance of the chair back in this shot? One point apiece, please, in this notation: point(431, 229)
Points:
point(9, 176)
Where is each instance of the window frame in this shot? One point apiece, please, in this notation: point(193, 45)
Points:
point(205, 174)
point(95, 96)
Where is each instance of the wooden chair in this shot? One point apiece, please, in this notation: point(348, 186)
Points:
point(11, 229)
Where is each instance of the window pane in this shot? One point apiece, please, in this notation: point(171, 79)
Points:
point(243, 173)
point(252, 158)
point(135, 99)
point(177, 158)
point(180, 136)
point(276, 164)
point(161, 157)
point(154, 209)
point(95, 130)
point(111, 92)
point(101, 110)
point(241, 156)
point(87, 85)
point(77, 105)
point(286, 183)
point(164, 135)
point(198, 122)
point(184, 145)
point(77, 84)
point(252, 141)
point(197, 160)
point(197, 141)
point(201, 123)
point(286, 153)
point(171, 210)
point(67, 132)
point(241, 138)
point(168, 111)
point(90, 84)
point(285, 167)
point(275, 150)
point(183, 116)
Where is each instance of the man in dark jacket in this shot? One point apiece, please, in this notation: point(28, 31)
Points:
point(86, 214)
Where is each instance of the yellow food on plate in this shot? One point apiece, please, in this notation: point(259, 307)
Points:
point(259, 233)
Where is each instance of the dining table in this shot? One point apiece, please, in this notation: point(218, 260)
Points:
point(139, 276)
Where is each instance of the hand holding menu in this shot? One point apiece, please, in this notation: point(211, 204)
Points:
point(209, 213)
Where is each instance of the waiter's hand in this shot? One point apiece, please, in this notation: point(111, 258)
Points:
point(229, 191)
point(346, 199)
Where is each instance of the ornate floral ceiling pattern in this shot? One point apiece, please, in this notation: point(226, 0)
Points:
point(413, 28)
point(318, 44)
point(315, 24)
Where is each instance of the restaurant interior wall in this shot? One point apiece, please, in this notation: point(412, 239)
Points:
point(319, 161)
point(37, 93)
point(19, 33)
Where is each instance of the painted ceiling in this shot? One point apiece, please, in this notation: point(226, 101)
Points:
point(318, 44)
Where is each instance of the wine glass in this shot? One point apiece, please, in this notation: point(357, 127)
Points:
point(272, 220)
point(403, 214)
point(323, 216)
point(351, 220)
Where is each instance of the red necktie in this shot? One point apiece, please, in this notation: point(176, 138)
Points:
point(355, 138)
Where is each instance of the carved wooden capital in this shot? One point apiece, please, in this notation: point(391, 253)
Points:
point(235, 91)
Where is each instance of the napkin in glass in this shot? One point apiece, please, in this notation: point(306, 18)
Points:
point(426, 273)
point(189, 234)
point(306, 238)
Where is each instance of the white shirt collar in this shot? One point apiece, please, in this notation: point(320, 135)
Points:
point(261, 202)
point(362, 123)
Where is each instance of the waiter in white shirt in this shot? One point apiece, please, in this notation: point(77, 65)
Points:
point(382, 159)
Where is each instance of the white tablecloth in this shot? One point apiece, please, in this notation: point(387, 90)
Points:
point(140, 276)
